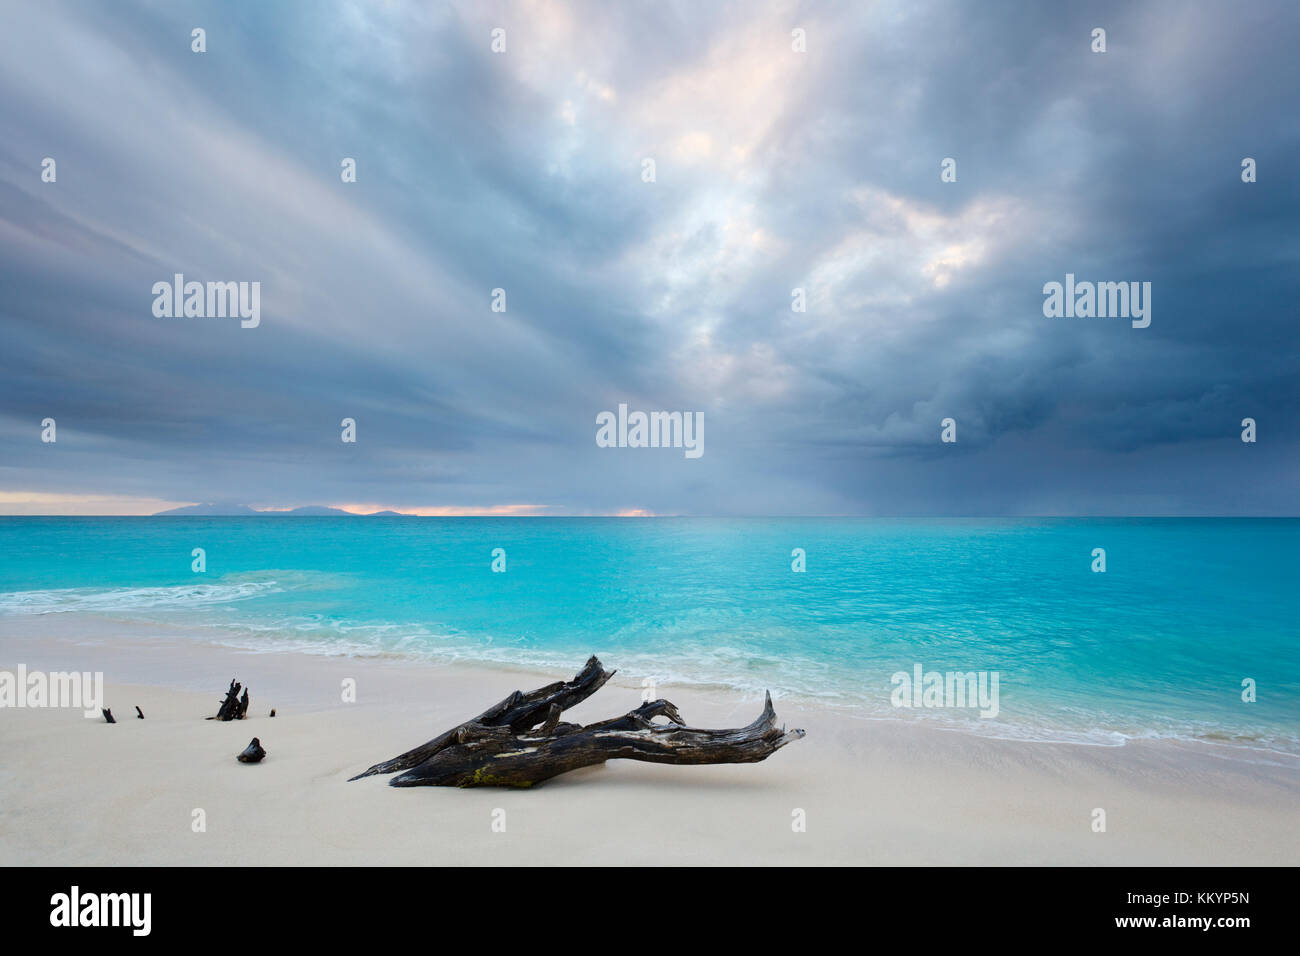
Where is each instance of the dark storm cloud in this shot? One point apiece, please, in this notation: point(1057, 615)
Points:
point(775, 170)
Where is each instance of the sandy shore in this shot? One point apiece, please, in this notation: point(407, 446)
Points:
point(82, 792)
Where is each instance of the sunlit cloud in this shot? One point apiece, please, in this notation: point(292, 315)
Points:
point(451, 511)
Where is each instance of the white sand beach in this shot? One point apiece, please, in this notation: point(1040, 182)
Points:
point(77, 791)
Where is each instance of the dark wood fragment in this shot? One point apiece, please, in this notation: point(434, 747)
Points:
point(253, 753)
point(233, 707)
point(227, 709)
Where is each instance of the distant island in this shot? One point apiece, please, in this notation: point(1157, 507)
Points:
point(227, 510)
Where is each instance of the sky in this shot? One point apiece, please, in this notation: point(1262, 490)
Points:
point(775, 169)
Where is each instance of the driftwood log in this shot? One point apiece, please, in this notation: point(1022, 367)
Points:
point(521, 741)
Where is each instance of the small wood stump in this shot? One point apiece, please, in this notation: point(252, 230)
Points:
point(233, 707)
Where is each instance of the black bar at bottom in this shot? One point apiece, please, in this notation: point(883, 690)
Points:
point(385, 905)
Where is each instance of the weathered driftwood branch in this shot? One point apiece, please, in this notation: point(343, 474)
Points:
point(519, 711)
point(522, 741)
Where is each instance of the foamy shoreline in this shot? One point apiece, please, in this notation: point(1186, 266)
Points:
point(94, 627)
point(76, 791)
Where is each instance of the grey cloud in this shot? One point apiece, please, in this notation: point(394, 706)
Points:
point(674, 295)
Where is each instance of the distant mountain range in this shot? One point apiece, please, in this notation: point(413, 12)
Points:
point(226, 510)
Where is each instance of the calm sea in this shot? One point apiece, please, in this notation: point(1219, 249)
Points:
point(1158, 645)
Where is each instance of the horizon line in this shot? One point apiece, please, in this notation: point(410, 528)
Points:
point(287, 513)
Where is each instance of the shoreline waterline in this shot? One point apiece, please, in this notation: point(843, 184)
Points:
point(133, 652)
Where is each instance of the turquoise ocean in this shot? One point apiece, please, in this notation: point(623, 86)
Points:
point(1157, 646)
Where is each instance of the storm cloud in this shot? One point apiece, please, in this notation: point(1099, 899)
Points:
point(775, 170)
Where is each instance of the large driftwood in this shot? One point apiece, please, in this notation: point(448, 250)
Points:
point(522, 741)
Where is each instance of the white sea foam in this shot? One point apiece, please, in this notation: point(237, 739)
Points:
point(680, 661)
point(108, 600)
